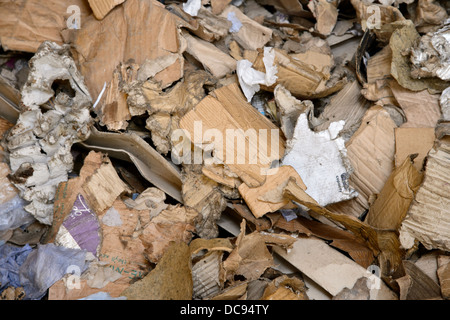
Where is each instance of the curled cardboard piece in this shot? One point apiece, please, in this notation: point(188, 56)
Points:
point(391, 205)
point(130, 147)
point(372, 165)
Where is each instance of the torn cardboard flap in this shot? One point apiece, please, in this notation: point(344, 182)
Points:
point(129, 31)
point(391, 205)
point(372, 165)
point(102, 7)
point(18, 31)
point(401, 41)
point(410, 141)
point(269, 197)
point(427, 218)
point(249, 34)
point(213, 117)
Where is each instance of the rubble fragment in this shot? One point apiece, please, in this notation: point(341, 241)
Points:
point(56, 116)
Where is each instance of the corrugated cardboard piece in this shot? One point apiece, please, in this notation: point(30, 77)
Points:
point(230, 111)
point(371, 152)
point(428, 218)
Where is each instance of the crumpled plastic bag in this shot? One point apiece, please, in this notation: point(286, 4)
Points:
point(47, 264)
point(12, 214)
point(11, 258)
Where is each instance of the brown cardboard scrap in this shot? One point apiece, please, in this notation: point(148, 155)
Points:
point(114, 112)
point(427, 218)
point(391, 205)
point(269, 196)
point(428, 263)
point(204, 196)
point(164, 108)
point(416, 285)
point(12, 293)
point(251, 35)
point(220, 174)
point(103, 187)
point(68, 191)
point(429, 14)
point(207, 271)
point(258, 224)
point(401, 42)
point(341, 239)
point(137, 30)
point(300, 78)
point(230, 111)
point(285, 288)
point(235, 292)
point(170, 280)
point(349, 105)
point(132, 148)
point(443, 273)
point(120, 251)
point(379, 65)
point(413, 141)
point(413, 104)
point(207, 275)
point(360, 291)
point(384, 244)
point(290, 7)
point(176, 223)
point(218, 6)
point(298, 194)
point(290, 109)
point(369, 15)
point(220, 244)
point(213, 59)
point(22, 31)
point(101, 8)
point(250, 258)
point(326, 14)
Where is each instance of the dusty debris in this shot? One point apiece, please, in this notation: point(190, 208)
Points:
point(55, 116)
point(224, 150)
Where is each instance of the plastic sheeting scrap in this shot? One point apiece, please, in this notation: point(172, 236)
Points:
point(47, 264)
point(11, 258)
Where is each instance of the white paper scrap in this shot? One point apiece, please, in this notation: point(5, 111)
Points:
point(320, 158)
point(250, 79)
point(192, 7)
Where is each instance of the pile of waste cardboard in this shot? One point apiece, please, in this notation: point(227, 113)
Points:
point(225, 149)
